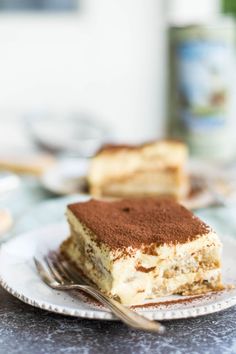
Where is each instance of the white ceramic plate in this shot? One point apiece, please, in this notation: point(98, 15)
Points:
point(66, 176)
point(19, 277)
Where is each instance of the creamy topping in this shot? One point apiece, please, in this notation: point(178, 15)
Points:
point(139, 222)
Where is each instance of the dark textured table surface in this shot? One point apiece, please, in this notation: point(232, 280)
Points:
point(24, 329)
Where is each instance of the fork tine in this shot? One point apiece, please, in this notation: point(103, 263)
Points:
point(70, 270)
point(43, 272)
point(65, 268)
point(53, 270)
point(53, 257)
point(39, 265)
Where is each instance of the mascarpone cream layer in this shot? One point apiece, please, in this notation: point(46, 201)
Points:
point(146, 184)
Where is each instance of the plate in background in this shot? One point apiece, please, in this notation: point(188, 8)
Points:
point(66, 177)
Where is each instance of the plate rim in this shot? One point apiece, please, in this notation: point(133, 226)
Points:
point(100, 314)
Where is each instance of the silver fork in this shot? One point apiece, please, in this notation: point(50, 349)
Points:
point(59, 274)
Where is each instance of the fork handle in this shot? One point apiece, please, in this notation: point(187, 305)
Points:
point(131, 318)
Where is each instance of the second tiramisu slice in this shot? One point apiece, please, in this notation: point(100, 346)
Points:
point(151, 169)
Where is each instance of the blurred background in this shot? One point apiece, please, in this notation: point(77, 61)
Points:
point(76, 74)
point(101, 58)
point(109, 63)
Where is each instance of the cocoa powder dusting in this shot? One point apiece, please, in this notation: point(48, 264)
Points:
point(139, 222)
point(169, 302)
point(142, 269)
point(113, 148)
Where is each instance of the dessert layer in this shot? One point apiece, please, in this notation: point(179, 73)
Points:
point(116, 161)
point(138, 222)
point(134, 275)
point(111, 148)
point(163, 182)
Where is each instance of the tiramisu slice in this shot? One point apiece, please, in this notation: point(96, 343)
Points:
point(140, 249)
point(150, 169)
